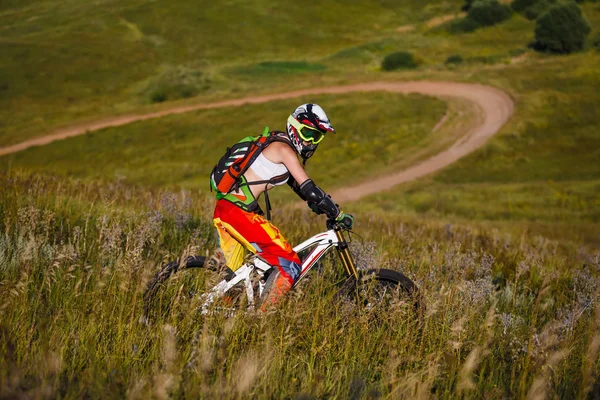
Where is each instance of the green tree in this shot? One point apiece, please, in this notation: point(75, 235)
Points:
point(561, 29)
point(488, 12)
point(531, 13)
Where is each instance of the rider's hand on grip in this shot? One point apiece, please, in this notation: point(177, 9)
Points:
point(345, 219)
point(315, 208)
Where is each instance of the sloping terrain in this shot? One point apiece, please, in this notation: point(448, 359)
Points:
point(496, 108)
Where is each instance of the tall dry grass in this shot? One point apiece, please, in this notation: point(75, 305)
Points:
point(505, 317)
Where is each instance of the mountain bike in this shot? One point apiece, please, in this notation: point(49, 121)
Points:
point(249, 285)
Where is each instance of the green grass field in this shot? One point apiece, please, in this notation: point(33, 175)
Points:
point(178, 150)
point(543, 166)
point(67, 60)
point(504, 244)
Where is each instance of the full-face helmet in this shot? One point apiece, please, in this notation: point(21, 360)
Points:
point(306, 128)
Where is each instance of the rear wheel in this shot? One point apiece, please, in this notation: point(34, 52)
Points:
point(161, 278)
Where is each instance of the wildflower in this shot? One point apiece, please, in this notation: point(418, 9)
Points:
point(365, 255)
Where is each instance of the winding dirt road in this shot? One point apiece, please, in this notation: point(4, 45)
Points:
point(495, 105)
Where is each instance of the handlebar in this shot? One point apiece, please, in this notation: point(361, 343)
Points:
point(336, 225)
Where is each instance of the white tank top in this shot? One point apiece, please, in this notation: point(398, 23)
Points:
point(267, 169)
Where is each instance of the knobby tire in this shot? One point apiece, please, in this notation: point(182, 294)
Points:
point(381, 278)
point(165, 273)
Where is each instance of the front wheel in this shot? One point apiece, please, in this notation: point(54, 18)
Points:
point(382, 288)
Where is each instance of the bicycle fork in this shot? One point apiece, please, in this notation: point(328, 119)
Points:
point(346, 256)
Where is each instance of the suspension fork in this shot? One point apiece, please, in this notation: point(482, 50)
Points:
point(345, 255)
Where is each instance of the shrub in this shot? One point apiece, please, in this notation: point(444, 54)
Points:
point(481, 13)
point(522, 5)
point(538, 9)
point(454, 59)
point(175, 82)
point(561, 29)
point(158, 96)
point(488, 12)
point(596, 42)
point(463, 25)
point(467, 5)
point(398, 60)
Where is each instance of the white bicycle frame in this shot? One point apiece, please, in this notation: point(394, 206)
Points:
point(321, 243)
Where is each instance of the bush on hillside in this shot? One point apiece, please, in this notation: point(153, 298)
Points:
point(561, 29)
point(538, 9)
point(596, 42)
point(522, 5)
point(488, 12)
point(398, 60)
point(175, 82)
point(467, 5)
point(463, 25)
point(532, 9)
point(454, 59)
point(481, 13)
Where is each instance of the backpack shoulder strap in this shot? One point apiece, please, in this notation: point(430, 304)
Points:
point(263, 142)
point(278, 136)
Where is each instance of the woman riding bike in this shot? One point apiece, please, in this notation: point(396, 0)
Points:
point(239, 218)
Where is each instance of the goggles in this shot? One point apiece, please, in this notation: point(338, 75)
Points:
point(307, 133)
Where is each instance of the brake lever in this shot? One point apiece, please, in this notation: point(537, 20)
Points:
point(331, 224)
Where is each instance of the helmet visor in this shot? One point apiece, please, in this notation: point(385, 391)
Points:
point(306, 133)
point(311, 135)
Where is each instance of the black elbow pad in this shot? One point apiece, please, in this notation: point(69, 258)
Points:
point(295, 187)
point(317, 196)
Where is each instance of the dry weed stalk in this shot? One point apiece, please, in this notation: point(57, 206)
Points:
point(165, 380)
point(539, 388)
point(415, 385)
point(245, 372)
point(591, 357)
point(476, 355)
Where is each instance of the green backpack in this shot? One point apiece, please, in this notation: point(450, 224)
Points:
point(227, 174)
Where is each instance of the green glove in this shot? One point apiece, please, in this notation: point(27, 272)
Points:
point(345, 219)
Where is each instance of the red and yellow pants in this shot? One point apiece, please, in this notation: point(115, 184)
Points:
point(240, 230)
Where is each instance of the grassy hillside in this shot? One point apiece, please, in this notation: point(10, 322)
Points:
point(182, 150)
point(66, 60)
point(506, 316)
point(542, 168)
point(504, 244)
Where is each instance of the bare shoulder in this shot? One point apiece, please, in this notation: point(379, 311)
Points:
point(279, 152)
point(283, 153)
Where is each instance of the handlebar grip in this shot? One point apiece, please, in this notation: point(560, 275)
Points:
point(331, 223)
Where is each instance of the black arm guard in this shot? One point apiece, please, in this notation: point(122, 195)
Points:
point(296, 187)
point(315, 195)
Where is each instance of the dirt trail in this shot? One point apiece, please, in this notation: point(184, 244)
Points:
point(496, 107)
